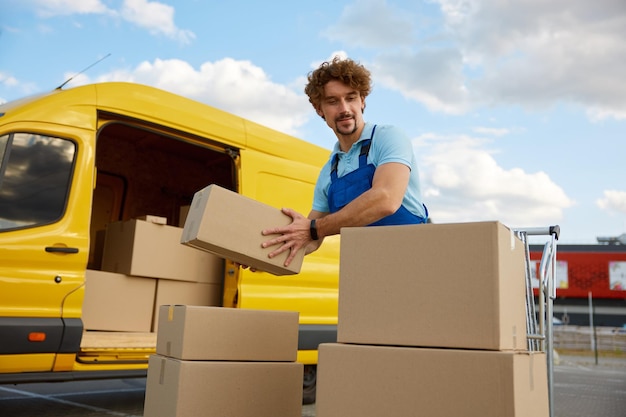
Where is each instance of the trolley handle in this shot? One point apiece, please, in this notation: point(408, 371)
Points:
point(540, 231)
point(546, 272)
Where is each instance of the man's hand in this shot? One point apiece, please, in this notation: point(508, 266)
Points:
point(292, 237)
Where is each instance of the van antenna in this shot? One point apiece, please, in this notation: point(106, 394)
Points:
point(72, 77)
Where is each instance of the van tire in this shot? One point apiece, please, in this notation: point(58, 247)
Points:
point(309, 384)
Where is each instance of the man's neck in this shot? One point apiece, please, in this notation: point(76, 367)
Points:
point(346, 141)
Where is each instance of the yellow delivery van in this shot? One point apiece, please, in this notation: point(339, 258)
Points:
point(89, 175)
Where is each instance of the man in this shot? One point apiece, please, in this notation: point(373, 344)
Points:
point(371, 177)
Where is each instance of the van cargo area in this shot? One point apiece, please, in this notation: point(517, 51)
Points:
point(143, 171)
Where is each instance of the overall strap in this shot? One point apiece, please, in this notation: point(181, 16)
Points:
point(365, 149)
point(333, 168)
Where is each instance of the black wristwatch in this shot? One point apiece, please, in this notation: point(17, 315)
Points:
point(313, 230)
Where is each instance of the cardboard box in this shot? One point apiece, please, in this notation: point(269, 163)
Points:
point(229, 225)
point(169, 292)
point(217, 389)
point(374, 381)
point(143, 248)
point(182, 215)
point(228, 334)
point(117, 302)
point(439, 285)
point(153, 219)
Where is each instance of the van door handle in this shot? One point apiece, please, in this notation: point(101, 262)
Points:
point(57, 249)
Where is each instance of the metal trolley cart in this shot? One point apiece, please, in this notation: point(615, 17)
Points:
point(539, 315)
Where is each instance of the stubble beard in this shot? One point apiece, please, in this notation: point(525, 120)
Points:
point(345, 131)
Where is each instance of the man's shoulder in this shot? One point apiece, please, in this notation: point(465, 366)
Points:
point(388, 129)
point(372, 130)
point(389, 134)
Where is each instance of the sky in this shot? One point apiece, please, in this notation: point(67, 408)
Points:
point(516, 109)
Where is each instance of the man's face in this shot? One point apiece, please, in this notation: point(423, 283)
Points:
point(342, 108)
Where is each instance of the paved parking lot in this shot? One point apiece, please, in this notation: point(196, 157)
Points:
point(581, 389)
point(116, 397)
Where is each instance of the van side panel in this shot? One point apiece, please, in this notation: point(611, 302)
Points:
point(313, 292)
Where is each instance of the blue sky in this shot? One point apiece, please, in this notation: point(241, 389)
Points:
point(517, 110)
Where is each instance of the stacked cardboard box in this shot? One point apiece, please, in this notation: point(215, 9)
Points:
point(149, 248)
point(431, 320)
point(117, 302)
point(180, 292)
point(217, 362)
point(145, 266)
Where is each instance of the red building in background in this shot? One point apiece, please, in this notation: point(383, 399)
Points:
point(599, 270)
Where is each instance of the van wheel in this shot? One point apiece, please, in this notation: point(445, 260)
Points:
point(309, 384)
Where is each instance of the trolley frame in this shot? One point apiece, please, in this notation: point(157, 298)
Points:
point(539, 323)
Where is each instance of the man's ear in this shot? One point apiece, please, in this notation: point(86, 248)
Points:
point(320, 113)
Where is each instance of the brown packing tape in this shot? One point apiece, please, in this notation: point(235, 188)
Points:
point(162, 372)
point(170, 317)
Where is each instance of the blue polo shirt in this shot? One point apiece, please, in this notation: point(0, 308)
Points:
point(389, 144)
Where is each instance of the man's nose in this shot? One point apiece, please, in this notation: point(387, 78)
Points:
point(343, 106)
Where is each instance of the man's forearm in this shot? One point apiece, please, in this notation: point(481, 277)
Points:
point(365, 209)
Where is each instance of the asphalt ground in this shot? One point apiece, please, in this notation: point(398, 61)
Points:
point(587, 386)
point(582, 388)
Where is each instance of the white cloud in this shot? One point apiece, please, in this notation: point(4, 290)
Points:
point(431, 76)
point(238, 87)
point(157, 18)
point(538, 53)
point(599, 113)
point(492, 131)
point(8, 80)
point(336, 54)
point(372, 23)
point(48, 8)
point(154, 16)
point(532, 53)
point(11, 83)
point(462, 181)
point(613, 201)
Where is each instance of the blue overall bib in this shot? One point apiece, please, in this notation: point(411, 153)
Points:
point(345, 189)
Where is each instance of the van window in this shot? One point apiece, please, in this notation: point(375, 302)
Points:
point(35, 174)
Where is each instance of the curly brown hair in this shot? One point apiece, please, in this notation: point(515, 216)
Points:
point(346, 70)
